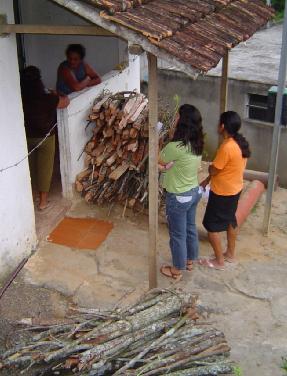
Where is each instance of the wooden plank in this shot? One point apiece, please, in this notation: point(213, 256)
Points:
point(153, 169)
point(224, 84)
point(6, 29)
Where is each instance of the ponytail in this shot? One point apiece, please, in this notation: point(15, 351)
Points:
point(232, 124)
point(243, 144)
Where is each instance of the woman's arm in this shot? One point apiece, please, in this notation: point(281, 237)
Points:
point(164, 166)
point(212, 172)
point(72, 82)
point(95, 78)
point(166, 158)
point(220, 161)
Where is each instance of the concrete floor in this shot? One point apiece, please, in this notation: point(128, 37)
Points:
point(248, 301)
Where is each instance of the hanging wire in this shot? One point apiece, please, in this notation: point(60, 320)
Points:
point(31, 151)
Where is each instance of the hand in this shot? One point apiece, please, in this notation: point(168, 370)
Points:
point(205, 182)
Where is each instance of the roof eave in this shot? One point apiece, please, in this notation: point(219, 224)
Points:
point(88, 12)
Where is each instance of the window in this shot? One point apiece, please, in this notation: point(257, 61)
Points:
point(258, 108)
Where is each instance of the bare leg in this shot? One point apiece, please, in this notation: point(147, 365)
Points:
point(214, 239)
point(231, 240)
point(43, 200)
point(35, 195)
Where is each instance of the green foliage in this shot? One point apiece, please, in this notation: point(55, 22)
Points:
point(238, 371)
point(284, 364)
point(278, 5)
point(168, 112)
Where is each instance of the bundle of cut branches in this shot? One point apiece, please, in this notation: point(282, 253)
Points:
point(159, 335)
point(117, 153)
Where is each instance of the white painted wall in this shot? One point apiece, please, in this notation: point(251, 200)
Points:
point(48, 51)
point(17, 230)
point(73, 120)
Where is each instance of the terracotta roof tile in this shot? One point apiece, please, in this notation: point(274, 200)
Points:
point(197, 32)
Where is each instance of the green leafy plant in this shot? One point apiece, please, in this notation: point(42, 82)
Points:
point(168, 112)
point(238, 371)
point(278, 5)
point(284, 364)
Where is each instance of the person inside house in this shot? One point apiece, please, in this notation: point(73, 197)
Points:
point(74, 74)
point(226, 179)
point(181, 159)
point(40, 116)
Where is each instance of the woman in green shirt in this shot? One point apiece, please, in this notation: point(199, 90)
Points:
point(182, 189)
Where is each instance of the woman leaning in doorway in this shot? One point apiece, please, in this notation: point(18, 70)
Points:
point(226, 177)
point(40, 116)
point(74, 74)
point(182, 189)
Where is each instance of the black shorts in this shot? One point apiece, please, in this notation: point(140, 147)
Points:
point(220, 212)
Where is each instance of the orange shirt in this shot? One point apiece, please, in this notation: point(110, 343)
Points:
point(229, 160)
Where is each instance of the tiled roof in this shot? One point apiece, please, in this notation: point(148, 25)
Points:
point(195, 32)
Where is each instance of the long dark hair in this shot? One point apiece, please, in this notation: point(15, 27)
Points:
point(232, 124)
point(189, 129)
point(31, 82)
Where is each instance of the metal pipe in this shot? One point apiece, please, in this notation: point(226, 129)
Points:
point(277, 128)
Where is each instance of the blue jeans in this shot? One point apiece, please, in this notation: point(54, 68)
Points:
point(181, 212)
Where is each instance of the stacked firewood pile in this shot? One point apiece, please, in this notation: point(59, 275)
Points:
point(116, 155)
point(159, 335)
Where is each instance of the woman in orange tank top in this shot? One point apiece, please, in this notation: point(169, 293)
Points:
point(226, 184)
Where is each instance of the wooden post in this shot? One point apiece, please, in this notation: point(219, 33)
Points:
point(153, 169)
point(224, 84)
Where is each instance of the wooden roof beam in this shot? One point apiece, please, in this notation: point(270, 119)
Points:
point(6, 29)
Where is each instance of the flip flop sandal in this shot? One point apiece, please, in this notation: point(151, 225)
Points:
point(44, 208)
point(202, 262)
point(176, 277)
point(230, 261)
point(211, 265)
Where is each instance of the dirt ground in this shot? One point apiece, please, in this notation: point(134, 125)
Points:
point(247, 301)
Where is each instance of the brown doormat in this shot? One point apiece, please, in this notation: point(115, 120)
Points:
point(82, 233)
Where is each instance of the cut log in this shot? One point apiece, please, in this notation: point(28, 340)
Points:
point(134, 133)
point(90, 147)
point(112, 159)
point(155, 336)
point(98, 105)
point(83, 174)
point(119, 171)
point(133, 146)
point(138, 111)
point(116, 154)
point(79, 186)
